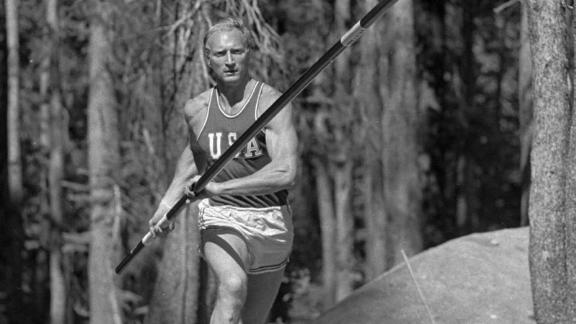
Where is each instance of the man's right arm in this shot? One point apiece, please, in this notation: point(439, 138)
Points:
point(185, 170)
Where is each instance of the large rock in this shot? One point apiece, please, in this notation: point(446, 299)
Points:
point(480, 278)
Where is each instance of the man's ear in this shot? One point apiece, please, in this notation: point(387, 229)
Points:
point(207, 57)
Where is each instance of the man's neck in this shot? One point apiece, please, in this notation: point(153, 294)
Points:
point(233, 93)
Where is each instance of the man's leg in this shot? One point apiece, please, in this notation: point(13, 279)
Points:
point(226, 253)
point(262, 291)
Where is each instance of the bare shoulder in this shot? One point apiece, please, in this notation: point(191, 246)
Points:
point(197, 104)
point(283, 119)
point(268, 96)
point(195, 109)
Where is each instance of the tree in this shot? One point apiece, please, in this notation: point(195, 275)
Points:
point(370, 104)
point(175, 298)
point(53, 129)
point(334, 146)
point(401, 128)
point(465, 209)
point(341, 165)
point(525, 112)
point(104, 163)
point(3, 116)
point(14, 167)
point(552, 205)
point(14, 163)
point(4, 232)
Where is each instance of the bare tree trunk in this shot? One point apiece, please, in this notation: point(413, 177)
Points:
point(104, 164)
point(42, 275)
point(4, 198)
point(400, 124)
point(342, 167)
point(344, 229)
point(525, 113)
point(328, 226)
point(552, 238)
point(175, 298)
point(14, 175)
point(465, 211)
point(52, 138)
point(375, 219)
point(371, 106)
point(176, 292)
point(58, 290)
point(14, 155)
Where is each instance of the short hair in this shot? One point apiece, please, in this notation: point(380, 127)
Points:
point(227, 25)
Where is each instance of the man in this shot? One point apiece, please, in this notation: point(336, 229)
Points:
point(245, 222)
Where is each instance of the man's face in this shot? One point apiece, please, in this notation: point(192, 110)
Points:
point(228, 55)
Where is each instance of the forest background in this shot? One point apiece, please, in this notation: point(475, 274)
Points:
point(417, 134)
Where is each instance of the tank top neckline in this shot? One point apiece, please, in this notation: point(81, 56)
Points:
point(243, 105)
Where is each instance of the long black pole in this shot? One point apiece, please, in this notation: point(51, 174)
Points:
point(347, 39)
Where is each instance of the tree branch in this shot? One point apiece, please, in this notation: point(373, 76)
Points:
point(506, 5)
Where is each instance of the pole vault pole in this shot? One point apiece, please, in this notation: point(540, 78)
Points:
point(346, 40)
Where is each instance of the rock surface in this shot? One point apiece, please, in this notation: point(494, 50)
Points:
point(479, 278)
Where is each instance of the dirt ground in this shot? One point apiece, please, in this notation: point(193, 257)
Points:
point(479, 278)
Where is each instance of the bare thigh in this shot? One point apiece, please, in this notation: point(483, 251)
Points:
point(224, 248)
point(226, 254)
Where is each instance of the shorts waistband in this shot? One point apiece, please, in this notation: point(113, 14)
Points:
point(207, 202)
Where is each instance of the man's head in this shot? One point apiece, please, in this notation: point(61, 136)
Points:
point(227, 50)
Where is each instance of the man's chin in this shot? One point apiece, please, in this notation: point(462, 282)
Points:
point(234, 78)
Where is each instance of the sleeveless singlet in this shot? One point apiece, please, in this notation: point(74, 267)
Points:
point(219, 132)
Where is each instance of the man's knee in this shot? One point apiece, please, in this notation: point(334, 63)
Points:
point(233, 287)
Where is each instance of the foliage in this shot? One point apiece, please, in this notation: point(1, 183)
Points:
point(486, 132)
point(290, 35)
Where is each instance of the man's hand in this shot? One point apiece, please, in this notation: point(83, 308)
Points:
point(211, 189)
point(160, 229)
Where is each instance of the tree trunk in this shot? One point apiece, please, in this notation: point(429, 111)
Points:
point(465, 211)
point(551, 251)
point(370, 105)
point(342, 166)
point(104, 158)
point(4, 230)
point(344, 229)
point(14, 155)
point(176, 296)
point(375, 219)
point(14, 174)
point(400, 124)
point(42, 275)
point(462, 183)
point(53, 128)
point(525, 113)
point(328, 226)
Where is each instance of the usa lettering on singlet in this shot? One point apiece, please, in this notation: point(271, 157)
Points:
point(220, 131)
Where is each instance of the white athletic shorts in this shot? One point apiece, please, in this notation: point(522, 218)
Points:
point(268, 232)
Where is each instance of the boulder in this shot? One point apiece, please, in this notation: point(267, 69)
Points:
point(479, 278)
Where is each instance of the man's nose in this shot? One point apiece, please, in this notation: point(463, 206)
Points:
point(229, 59)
